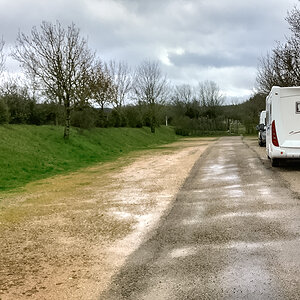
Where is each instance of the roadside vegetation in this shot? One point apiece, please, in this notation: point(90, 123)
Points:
point(29, 153)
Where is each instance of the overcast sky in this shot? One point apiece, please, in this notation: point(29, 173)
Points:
point(195, 40)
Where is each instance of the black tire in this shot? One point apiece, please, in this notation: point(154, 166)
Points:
point(275, 162)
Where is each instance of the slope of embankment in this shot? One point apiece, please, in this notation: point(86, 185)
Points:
point(29, 153)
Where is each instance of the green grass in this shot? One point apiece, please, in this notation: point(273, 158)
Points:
point(29, 153)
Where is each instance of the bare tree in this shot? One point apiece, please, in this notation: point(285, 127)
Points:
point(15, 85)
point(282, 66)
point(102, 86)
point(209, 98)
point(150, 88)
point(121, 77)
point(293, 18)
point(2, 57)
point(60, 62)
point(209, 94)
point(184, 93)
point(266, 77)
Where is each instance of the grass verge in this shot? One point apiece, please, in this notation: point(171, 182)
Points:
point(29, 153)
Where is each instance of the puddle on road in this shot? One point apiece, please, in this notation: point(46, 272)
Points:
point(235, 193)
point(261, 214)
point(264, 191)
point(235, 214)
point(232, 177)
point(234, 186)
point(188, 222)
point(198, 191)
point(182, 252)
point(225, 175)
point(252, 245)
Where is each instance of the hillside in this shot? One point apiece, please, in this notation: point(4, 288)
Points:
point(30, 153)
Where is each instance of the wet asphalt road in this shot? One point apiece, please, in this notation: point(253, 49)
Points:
point(232, 233)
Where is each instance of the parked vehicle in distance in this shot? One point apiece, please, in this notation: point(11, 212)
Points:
point(283, 124)
point(261, 127)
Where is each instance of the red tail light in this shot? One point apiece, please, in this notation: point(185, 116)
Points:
point(274, 135)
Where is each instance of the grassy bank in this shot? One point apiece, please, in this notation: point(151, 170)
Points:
point(30, 153)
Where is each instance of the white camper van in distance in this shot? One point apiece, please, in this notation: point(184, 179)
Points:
point(261, 127)
point(283, 124)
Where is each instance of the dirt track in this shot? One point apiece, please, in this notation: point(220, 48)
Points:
point(64, 237)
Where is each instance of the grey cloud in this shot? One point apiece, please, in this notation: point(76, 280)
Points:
point(216, 36)
point(217, 60)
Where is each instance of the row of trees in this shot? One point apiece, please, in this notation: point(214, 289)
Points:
point(75, 86)
point(62, 69)
point(184, 105)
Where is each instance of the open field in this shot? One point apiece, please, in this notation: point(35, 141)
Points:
point(65, 236)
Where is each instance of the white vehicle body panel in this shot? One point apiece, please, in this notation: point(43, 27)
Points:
point(262, 117)
point(262, 128)
point(283, 107)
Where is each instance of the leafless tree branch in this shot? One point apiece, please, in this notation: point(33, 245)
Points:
point(2, 56)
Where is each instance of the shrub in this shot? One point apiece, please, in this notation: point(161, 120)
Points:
point(84, 118)
point(4, 112)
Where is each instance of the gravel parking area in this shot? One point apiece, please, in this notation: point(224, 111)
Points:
point(64, 237)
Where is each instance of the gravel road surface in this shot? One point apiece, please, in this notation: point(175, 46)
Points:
point(232, 233)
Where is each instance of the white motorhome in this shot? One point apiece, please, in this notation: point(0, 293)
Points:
point(283, 124)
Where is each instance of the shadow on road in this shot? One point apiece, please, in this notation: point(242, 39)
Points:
point(290, 165)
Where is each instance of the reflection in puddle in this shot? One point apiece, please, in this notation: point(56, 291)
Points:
point(183, 252)
point(234, 186)
point(122, 214)
point(232, 177)
point(198, 191)
point(236, 214)
point(235, 193)
point(264, 191)
point(249, 245)
point(191, 221)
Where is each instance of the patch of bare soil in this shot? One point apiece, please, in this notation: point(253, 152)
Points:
point(64, 237)
point(289, 172)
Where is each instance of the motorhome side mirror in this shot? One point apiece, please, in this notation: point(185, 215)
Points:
point(262, 127)
point(257, 127)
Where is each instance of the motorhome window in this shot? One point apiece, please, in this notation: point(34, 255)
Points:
point(298, 107)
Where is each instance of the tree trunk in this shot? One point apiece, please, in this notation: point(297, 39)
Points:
point(152, 126)
point(67, 121)
point(152, 117)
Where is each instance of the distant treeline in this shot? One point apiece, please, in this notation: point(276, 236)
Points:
point(189, 116)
